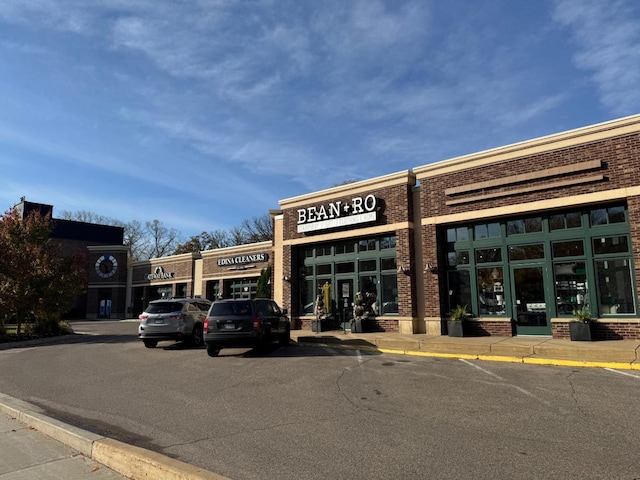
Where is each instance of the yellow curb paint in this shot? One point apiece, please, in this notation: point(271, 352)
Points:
point(489, 358)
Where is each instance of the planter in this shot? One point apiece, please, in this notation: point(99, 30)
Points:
point(454, 328)
point(316, 326)
point(356, 326)
point(580, 331)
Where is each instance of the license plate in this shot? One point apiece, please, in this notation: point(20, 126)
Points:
point(159, 320)
point(229, 326)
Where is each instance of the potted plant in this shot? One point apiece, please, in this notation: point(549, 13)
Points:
point(580, 328)
point(455, 322)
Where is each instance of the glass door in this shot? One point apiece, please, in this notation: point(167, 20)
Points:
point(344, 301)
point(529, 298)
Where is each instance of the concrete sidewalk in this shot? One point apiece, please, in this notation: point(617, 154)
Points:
point(33, 445)
point(621, 354)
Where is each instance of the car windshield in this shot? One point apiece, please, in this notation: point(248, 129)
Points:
point(164, 307)
point(231, 308)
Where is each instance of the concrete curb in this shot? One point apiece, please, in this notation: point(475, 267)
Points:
point(526, 359)
point(133, 462)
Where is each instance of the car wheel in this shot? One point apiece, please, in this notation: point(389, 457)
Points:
point(150, 343)
point(265, 342)
point(213, 351)
point(197, 337)
point(285, 339)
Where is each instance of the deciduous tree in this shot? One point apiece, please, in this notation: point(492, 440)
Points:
point(36, 280)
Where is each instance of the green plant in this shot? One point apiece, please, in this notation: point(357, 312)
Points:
point(459, 314)
point(582, 314)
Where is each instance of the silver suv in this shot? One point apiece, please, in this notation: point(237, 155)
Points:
point(173, 319)
point(253, 323)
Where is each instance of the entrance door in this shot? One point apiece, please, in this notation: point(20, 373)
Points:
point(344, 301)
point(530, 306)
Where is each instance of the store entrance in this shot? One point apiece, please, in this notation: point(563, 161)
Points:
point(344, 301)
point(529, 300)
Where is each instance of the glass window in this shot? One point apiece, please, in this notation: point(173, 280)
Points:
point(388, 264)
point(458, 234)
point(606, 245)
point(459, 283)
point(570, 280)
point(458, 258)
point(323, 269)
point(570, 248)
point(526, 252)
point(307, 253)
point(527, 225)
point(323, 250)
point(306, 297)
point(367, 266)
point(487, 230)
point(345, 267)
point(565, 220)
point(389, 294)
point(615, 290)
point(491, 291)
point(488, 255)
point(307, 271)
point(367, 244)
point(388, 242)
point(604, 216)
point(345, 247)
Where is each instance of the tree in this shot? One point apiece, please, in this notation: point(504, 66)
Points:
point(204, 241)
point(263, 289)
point(162, 240)
point(36, 281)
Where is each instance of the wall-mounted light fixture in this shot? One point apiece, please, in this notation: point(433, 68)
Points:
point(285, 278)
point(403, 269)
point(431, 267)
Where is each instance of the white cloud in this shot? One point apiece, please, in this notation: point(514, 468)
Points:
point(607, 35)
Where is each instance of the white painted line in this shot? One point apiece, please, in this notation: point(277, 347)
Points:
point(622, 373)
point(359, 355)
point(481, 369)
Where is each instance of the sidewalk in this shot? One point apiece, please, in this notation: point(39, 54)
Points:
point(33, 445)
point(620, 354)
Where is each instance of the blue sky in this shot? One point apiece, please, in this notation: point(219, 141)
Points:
point(204, 113)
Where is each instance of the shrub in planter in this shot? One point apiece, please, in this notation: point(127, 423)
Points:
point(456, 320)
point(581, 328)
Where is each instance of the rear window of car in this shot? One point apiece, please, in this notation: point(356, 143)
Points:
point(164, 307)
point(230, 308)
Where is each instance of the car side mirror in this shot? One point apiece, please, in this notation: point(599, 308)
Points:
point(285, 311)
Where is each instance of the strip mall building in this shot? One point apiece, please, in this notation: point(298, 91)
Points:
point(520, 234)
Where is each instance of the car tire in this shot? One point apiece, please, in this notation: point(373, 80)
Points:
point(197, 337)
point(213, 350)
point(285, 339)
point(150, 343)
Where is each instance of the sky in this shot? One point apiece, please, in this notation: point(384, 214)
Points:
point(205, 113)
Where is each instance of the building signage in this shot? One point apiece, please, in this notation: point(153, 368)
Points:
point(243, 259)
point(160, 274)
point(338, 214)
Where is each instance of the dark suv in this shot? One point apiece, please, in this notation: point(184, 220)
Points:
point(251, 323)
point(173, 319)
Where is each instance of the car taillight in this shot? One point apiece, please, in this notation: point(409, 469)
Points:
point(256, 324)
point(206, 325)
point(143, 316)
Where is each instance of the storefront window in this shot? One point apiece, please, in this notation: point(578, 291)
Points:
point(615, 290)
point(345, 267)
point(570, 248)
point(526, 225)
point(459, 234)
point(605, 216)
point(388, 264)
point(387, 242)
point(571, 285)
point(367, 266)
point(487, 230)
point(458, 258)
point(526, 252)
point(488, 255)
point(491, 291)
point(389, 294)
point(606, 245)
point(307, 297)
point(345, 247)
point(565, 220)
point(323, 269)
point(459, 284)
point(367, 245)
